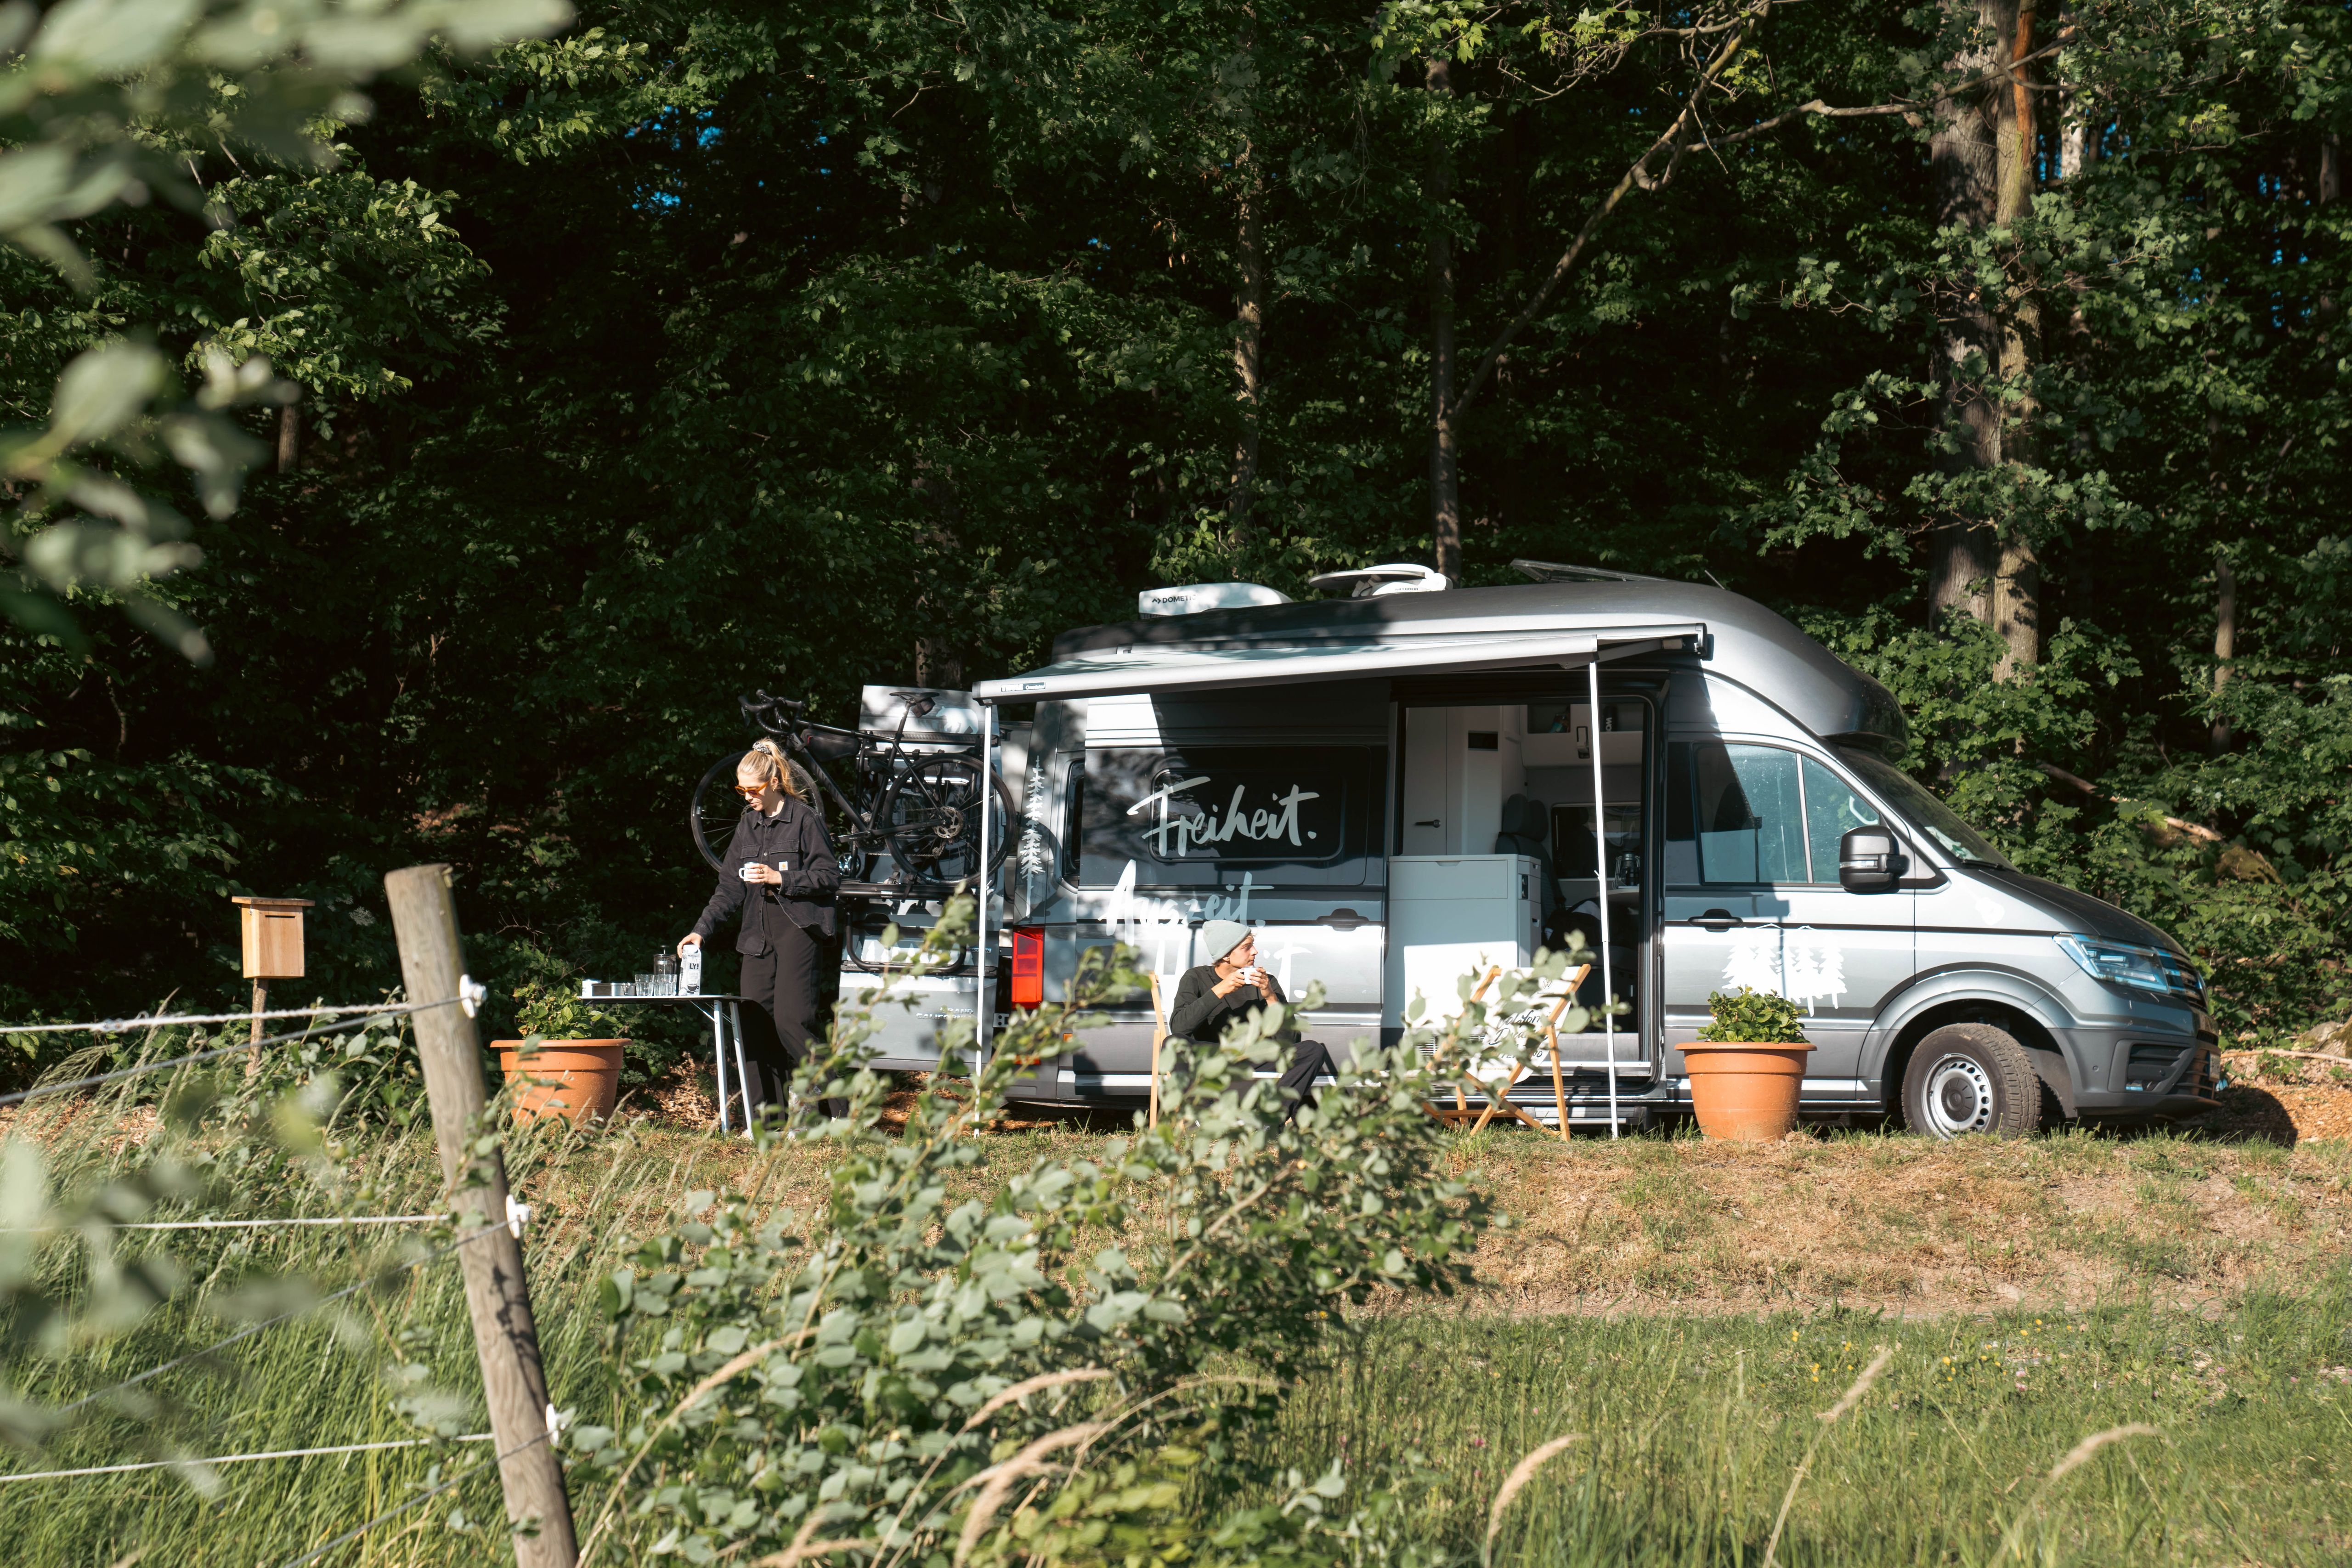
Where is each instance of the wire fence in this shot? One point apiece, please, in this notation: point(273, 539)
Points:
point(159, 1021)
point(239, 1458)
point(469, 996)
point(467, 1000)
point(250, 1330)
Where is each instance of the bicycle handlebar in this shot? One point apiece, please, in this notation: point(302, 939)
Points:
point(759, 707)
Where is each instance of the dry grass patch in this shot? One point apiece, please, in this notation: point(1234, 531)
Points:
point(1888, 1222)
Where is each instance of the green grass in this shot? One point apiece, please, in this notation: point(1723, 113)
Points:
point(1693, 1429)
point(1694, 1424)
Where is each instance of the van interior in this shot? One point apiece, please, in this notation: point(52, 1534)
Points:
point(1494, 852)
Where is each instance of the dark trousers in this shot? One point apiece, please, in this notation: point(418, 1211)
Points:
point(1309, 1059)
point(781, 984)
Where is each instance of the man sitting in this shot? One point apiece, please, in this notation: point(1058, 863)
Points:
point(1214, 996)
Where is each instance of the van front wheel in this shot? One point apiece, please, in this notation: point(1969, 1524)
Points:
point(1971, 1077)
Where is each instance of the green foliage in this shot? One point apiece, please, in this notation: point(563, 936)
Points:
point(1757, 1017)
point(549, 1004)
point(885, 1374)
point(116, 102)
point(593, 436)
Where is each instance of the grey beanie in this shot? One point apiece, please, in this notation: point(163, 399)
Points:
point(1219, 938)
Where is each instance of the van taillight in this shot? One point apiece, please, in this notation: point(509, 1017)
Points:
point(1028, 966)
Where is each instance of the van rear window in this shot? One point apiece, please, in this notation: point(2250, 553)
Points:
point(1288, 814)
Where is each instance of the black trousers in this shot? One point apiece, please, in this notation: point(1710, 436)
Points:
point(781, 984)
point(1309, 1059)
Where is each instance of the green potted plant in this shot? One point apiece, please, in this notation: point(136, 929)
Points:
point(1748, 1065)
point(566, 1063)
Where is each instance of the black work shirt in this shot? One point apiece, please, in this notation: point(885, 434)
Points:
point(1200, 1013)
point(794, 838)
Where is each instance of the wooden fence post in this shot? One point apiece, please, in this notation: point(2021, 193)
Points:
point(498, 1298)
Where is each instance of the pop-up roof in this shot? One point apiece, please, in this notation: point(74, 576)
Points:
point(1133, 668)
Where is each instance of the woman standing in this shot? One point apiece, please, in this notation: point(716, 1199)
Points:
point(779, 874)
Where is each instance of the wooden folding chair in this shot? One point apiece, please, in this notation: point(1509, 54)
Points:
point(1497, 1095)
point(1159, 1038)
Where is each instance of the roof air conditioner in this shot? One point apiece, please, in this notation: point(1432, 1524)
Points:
point(1194, 597)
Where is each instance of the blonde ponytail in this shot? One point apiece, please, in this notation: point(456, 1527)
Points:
point(767, 762)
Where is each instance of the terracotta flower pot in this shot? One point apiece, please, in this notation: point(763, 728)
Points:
point(576, 1079)
point(1745, 1092)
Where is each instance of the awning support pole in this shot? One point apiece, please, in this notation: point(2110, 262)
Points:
point(983, 995)
point(1601, 870)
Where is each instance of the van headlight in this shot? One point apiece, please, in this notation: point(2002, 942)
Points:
point(2150, 969)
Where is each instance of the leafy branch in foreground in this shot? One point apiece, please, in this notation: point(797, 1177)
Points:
point(1047, 1364)
point(108, 102)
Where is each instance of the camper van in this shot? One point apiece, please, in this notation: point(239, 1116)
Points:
point(1396, 785)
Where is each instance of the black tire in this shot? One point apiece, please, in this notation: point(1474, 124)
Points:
point(930, 823)
point(715, 809)
point(1971, 1077)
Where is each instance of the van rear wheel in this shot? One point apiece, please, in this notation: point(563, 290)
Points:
point(1971, 1077)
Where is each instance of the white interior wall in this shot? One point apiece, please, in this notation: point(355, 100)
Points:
point(1454, 795)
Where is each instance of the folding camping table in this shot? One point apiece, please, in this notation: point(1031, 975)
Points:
point(725, 1015)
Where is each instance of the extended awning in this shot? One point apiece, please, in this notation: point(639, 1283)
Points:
point(1117, 671)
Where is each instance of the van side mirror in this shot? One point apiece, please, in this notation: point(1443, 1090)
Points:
point(1870, 860)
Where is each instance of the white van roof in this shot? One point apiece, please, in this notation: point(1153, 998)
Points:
point(1530, 626)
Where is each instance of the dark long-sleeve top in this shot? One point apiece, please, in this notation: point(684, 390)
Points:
point(1200, 1013)
point(794, 838)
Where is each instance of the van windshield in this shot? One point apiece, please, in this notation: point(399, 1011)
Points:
point(1930, 816)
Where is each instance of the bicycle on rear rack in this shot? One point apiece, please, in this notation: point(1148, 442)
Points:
point(911, 823)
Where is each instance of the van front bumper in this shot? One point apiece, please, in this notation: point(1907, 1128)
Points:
point(2144, 1075)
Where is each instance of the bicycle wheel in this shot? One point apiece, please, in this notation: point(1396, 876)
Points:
point(930, 818)
point(715, 809)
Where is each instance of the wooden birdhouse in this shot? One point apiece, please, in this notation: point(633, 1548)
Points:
point(273, 937)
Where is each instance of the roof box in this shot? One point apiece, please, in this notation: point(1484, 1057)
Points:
point(1377, 582)
point(1194, 597)
point(928, 713)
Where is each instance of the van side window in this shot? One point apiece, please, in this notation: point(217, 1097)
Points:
point(1682, 831)
point(1755, 815)
point(1750, 814)
point(1832, 808)
point(1074, 820)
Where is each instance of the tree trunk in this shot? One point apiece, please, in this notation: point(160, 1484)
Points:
point(2079, 123)
point(290, 436)
point(1982, 150)
point(939, 660)
point(1444, 440)
point(1249, 346)
point(2329, 188)
point(2017, 585)
point(1960, 562)
point(2225, 640)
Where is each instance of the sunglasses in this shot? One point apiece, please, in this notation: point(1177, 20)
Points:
point(750, 792)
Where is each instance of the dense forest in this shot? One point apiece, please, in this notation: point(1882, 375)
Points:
point(702, 346)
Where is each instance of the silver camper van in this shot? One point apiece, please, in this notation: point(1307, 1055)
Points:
point(1398, 783)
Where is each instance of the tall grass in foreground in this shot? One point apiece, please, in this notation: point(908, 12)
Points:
point(1692, 1430)
point(320, 1378)
point(1691, 1427)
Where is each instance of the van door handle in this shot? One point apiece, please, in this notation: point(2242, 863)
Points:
point(1717, 920)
